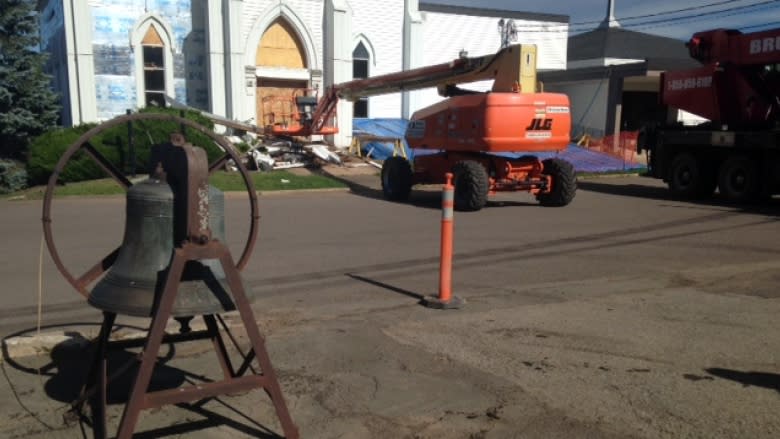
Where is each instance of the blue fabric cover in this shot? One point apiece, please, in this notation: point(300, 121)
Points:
point(583, 159)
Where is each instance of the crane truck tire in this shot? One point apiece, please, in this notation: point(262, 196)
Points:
point(738, 179)
point(564, 183)
point(690, 178)
point(471, 185)
point(396, 179)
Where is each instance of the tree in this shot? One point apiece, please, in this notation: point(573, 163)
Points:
point(28, 105)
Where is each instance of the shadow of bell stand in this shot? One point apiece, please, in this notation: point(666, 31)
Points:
point(187, 286)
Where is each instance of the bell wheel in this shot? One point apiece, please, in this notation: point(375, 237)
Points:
point(82, 144)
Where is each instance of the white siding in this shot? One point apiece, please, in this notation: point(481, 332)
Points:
point(445, 35)
point(381, 23)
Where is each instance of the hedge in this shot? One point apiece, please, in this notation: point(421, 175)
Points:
point(13, 176)
point(45, 151)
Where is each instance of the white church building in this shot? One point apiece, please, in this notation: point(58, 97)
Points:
point(231, 57)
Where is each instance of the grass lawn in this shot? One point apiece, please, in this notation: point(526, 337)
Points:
point(224, 181)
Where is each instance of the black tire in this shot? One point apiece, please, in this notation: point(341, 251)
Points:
point(739, 180)
point(690, 177)
point(396, 179)
point(564, 183)
point(471, 185)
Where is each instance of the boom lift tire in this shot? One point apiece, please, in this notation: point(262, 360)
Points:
point(739, 180)
point(471, 185)
point(690, 178)
point(564, 183)
point(396, 179)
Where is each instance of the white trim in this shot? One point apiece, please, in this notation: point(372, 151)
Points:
point(362, 38)
point(337, 35)
point(136, 36)
point(299, 26)
point(600, 62)
point(282, 73)
point(412, 53)
point(80, 62)
point(215, 46)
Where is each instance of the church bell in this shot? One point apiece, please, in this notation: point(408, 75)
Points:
point(133, 285)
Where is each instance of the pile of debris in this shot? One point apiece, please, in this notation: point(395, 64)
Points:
point(269, 155)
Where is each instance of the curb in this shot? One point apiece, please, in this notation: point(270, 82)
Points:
point(302, 191)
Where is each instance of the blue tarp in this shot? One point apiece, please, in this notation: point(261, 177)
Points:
point(583, 159)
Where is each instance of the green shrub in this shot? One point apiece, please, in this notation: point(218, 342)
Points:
point(45, 151)
point(13, 176)
point(113, 144)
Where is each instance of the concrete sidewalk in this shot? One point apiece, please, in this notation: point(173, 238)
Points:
point(624, 315)
point(367, 361)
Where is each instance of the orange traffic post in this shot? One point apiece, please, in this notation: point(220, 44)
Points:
point(445, 299)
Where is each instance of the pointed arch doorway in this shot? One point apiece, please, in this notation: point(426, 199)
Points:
point(282, 72)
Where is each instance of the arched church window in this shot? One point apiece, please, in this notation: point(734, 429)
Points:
point(154, 68)
point(360, 62)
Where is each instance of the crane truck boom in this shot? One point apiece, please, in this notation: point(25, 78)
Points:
point(738, 90)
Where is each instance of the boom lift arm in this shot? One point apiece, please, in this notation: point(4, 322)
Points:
point(513, 69)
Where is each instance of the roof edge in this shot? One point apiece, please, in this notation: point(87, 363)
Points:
point(489, 12)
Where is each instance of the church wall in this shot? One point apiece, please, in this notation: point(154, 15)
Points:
point(114, 24)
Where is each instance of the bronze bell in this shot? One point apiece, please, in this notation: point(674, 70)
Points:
point(133, 285)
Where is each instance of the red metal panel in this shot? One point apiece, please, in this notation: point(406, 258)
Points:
point(694, 91)
point(493, 122)
point(732, 46)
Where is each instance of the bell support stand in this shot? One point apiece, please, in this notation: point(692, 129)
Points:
point(198, 245)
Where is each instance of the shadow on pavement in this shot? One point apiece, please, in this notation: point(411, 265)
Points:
point(427, 197)
point(211, 419)
point(767, 207)
point(386, 286)
point(65, 373)
point(759, 379)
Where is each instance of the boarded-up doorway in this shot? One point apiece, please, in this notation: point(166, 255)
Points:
point(280, 49)
point(275, 103)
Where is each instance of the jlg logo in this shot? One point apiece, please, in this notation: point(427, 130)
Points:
point(540, 125)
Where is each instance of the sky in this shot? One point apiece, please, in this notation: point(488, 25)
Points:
point(745, 15)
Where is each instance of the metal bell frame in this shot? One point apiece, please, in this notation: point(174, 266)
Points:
point(235, 379)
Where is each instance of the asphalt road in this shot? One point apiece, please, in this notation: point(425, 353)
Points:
point(624, 314)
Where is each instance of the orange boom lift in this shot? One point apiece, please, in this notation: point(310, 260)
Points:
point(467, 128)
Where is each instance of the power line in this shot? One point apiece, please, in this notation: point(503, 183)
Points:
point(657, 14)
point(708, 13)
point(726, 12)
point(720, 13)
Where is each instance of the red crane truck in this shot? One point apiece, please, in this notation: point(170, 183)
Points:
point(737, 89)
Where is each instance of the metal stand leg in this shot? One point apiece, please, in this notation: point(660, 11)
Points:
point(141, 399)
point(149, 355)
point(94, 388)
point(271, 385)
point(219, 346)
